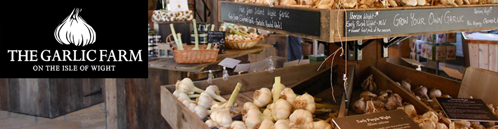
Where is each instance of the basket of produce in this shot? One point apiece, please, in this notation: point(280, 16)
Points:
point(189, 55)
point(241, 40)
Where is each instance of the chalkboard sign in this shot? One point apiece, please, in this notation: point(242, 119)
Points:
point(291, 20)
point(466, 109)
point(216, 37)
point(367, 23)
point(395, 119)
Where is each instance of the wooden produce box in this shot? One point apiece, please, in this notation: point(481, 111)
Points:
point(180, 117)
point(398, 73)
point(480, 53)
point(384, 83)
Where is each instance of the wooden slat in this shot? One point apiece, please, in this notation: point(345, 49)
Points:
point(131, 99)
point(177, 115)
point(474, 54)
point(4, 94)
point(54, 95)
point(483, 56)
point(122, 107)
point(43, 98)
point(111, 103)
point(14, 95)
point(492, 57)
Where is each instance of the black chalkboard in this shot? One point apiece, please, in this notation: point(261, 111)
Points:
point(367, 23)
point(466, 109)
point(216, 37)
point(291, 20)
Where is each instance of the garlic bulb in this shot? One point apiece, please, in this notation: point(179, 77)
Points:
point(305, 101)
point(427, 125)
point(367, 95)
point(446, 96)
point(253, 118)
point(211, 124)
point(421, 91)
point(441, 126)
point(183, 96)
point(266, 124)
point(462, 124)
point(394, 101)
point(410, 110)
point(205, 100)
point(383, 95)
point(262, 97)
point(187, 86)
point(405, 85)
point(281, 109)
point(370, 108)
point(247, 106)
point(238, 125)
point(282, 124)
point(435, 93)
point(476, 125)
point(359, 106)
point(75, 30)
point(431, 116)
point(301, 119)
point(267, 113)
point(214, 91)
point(369, 84)
point(289, 95)
point(176, 93)
point(201, 112)
point(222, 117)
point(192, 106)
point(186, 102)
point(321, 124)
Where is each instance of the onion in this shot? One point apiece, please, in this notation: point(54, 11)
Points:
point(321, 124)
point(435, 93)
point(367, 95)
point(301, 119)
point(394, 101)
point(289, 95)
point(281, 109)
point(238, 125)
point(262, 97)
point(305, 101)
point(405, 85)
point(421, 91)
point(359, 106)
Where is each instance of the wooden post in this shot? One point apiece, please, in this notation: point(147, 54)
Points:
point(111, 103)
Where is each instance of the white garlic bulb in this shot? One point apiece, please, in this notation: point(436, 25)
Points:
point(75, 30)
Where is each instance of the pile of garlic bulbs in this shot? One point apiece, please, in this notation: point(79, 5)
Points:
point(280, 108)
point(169, 16)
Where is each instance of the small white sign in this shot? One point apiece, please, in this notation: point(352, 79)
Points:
point(178, 5)
point(242, 68)
point(229, 62)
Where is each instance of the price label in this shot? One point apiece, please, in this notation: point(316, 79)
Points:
point(216, 37)
point(466, 109)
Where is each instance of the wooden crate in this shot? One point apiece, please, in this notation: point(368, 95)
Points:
point(384, 83)
point(481, 53)
point(398, 73)
point(49, 97)
point(296, 77)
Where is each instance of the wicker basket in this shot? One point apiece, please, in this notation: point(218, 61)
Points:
point(189, 56)
point(243, 44)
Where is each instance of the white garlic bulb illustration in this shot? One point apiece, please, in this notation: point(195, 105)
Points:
point(75, 30)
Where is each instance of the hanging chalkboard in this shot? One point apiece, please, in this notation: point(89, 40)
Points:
point(367, 23)
point(291, 20)
point(216, 36)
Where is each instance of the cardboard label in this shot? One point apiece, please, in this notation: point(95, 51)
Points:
point(395, 119)
point(178, 5)
point(216, 37)
point(466, 109)
point(229, 62)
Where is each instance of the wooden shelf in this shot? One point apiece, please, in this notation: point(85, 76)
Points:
point(170, 64)
point(328, 25)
